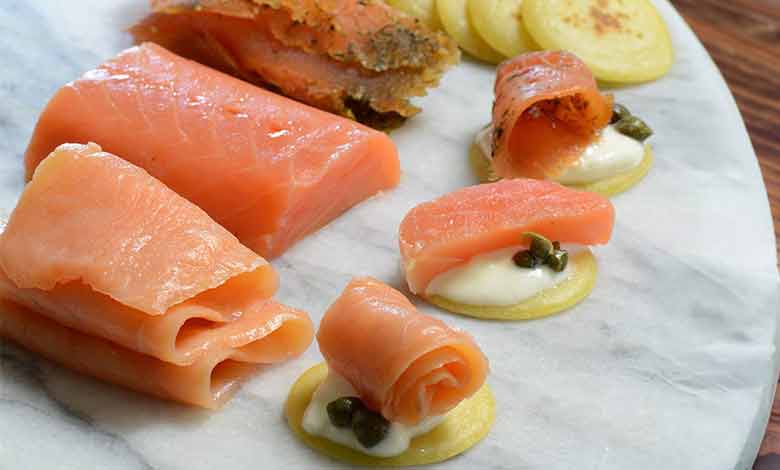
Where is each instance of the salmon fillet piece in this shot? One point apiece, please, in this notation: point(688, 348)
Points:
point(404, 364)
point(439, 235)
point(269, 169)
point(358, 58)
point(97, 245)
point(547, 110)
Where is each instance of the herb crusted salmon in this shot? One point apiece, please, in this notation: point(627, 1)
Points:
point(358, 58)
point(269, 169)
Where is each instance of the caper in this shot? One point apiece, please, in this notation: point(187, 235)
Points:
point(619, 112)
point(525, 259)
point(340, 411)
point(634, 127)
point(541, 247)
point(558, 260)
point(369, 427)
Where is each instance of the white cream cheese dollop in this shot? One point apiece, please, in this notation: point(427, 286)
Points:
point(611, 154)
point(493, 279)
point(317, 422)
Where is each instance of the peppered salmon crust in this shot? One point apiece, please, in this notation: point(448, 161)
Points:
point(357, 58)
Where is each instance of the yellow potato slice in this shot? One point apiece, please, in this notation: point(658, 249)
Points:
point(465, 426)
point(455, 19)
point(548, 302)
point(624, 41)
point(607, 187)
point(481, 165)
point(425, 10)
point(498, 22)
point(617, 184)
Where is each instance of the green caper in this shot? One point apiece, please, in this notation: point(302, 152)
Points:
point(541, 247)
point(369, 427)
point(634, 127)
point(340, 411)
point(619, 112)
point(526, 259)
point(558, 260)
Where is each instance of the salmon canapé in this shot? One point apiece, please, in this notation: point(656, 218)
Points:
point(447, 232)
point(99, 249)
point(547, 110)
point(358, 58)
point(269, 169)
point(398, 388)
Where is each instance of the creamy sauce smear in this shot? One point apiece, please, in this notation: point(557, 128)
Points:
point(493, 279)
point(316, 422)
point(611, 154)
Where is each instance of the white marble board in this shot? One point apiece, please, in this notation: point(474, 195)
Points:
point(670, 364)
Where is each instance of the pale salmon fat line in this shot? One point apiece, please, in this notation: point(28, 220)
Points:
point(99, 249)
point(269, 169)
point(442, 234)
point(428, 368)
point(568, 114)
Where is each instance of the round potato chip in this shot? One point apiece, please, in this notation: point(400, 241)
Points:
point(463, 428)
point(621, 41)
point(455, 19)
point(425, 10)
point(499, 23)
point(548, 302)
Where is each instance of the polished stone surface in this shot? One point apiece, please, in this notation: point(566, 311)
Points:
point(670, 364)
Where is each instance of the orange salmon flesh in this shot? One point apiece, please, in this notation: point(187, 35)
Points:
point(269, 169)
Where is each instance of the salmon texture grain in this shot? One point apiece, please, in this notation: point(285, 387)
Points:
point(547, 110)
point(404, 364)
point(439, 235)
point(110, 257)
point(357, 58)
point(267, 168)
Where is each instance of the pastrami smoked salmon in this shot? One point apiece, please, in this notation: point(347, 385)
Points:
point(99, 247)
point(439, 235)
point(547, 110)
point(267, 168)
point(404, 364)
point(358, 58)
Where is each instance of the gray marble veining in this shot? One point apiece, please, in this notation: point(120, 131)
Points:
point(669, 364)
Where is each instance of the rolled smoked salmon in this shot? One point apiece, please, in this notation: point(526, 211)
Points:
point(208, 383)
point(439, 235)
point(404, 364)
point(96, 245)
point(267, 168)
point(357, 58)
point(547, 110)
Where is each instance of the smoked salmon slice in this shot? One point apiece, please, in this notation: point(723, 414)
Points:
point(208, 383)
point(360, 59)
point(404, 364)
point(547, 110)
point(97, 245)
point(439, 235)
point(267, 168)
